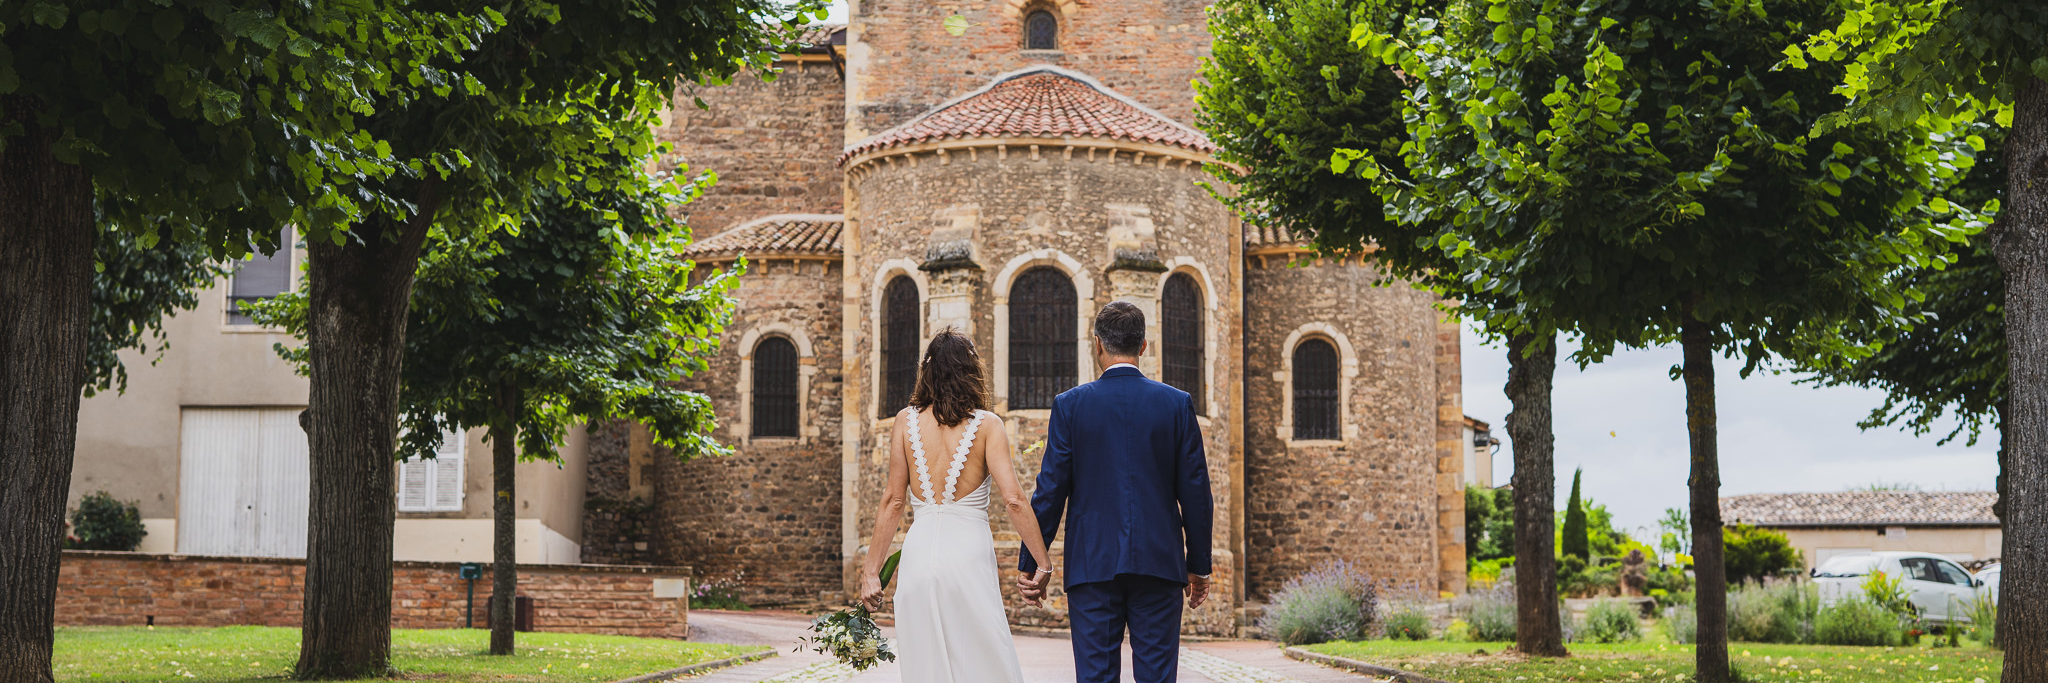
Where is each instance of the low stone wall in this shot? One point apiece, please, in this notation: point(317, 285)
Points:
point(132, 589)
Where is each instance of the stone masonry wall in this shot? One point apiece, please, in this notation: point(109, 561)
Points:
point(1371, 497)
point(775, 146)
point(903, 62)
point(131, 589)
point(767, 516)
point(1072, 213)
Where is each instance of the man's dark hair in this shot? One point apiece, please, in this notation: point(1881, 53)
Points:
point(1121, 327)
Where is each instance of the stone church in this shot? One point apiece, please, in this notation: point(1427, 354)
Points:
point(896, 180)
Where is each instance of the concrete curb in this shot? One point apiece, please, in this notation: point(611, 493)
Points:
point(698, 668)
point(1354, 665)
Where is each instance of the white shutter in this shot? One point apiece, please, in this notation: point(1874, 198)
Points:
point(447, 473)
point(284, 481)
point(413, 484)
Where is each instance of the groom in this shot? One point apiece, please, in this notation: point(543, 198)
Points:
point(1124, 462)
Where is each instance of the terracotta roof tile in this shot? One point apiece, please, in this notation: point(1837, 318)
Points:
point(1040, 102)
point(1260, 235)
point(786, 234)
point(1861, 508)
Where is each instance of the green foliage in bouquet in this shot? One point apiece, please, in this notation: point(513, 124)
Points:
point(850, 635)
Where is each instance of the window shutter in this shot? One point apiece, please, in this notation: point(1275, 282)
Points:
point(447, 473)
point(412, 484)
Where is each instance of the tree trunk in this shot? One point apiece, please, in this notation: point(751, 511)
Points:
point(46, 270)
point(504, 570)
point(2021, 244)
point(1532, 362)
point(1998, 508)
point(1710, 574)
point(359, 295)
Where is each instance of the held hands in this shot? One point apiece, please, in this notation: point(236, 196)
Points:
point(1032, 586)
point(1198, 591)
point(870, 591)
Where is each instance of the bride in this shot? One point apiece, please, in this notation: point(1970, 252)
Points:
point(950, 623)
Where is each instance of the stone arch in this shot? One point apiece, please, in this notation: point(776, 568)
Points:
point(885, 272)
point(807, 366)
point(1084, 296)
point(1347, 358)
point(1212, 342)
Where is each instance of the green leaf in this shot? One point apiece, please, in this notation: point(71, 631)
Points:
point(957, 25)
point(889, 567)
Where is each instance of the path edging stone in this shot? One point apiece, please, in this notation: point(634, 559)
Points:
point(700, 667)
point(1354, 665)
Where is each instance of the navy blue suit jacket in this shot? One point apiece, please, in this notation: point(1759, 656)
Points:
point(1124, 462)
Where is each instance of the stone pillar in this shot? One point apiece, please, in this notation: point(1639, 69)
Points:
point(1451, 447)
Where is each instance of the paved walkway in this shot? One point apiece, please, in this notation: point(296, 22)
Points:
point(1046, 660)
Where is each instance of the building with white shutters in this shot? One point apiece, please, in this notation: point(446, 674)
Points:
point(206, 441)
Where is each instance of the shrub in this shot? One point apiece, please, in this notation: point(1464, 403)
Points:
point(1485, 573)
point(719, 594)
point(1889, 593)
point(1459, 631)
point(1776, 612)
point(102, 523)
point(1753, 554)
point(1684, 625)
point(1611, 621)
point(1489, 613)
point(1856, 622)
point(1983, 615)
point(1407, 622)
point(1336, 601)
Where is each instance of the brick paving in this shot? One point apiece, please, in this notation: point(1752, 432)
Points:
point(1045, 659)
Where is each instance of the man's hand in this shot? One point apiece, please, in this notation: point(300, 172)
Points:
point(1032, 587)
point(1198, 591)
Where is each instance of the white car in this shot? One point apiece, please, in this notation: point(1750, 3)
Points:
point(1938, 587)
point(1987, 579)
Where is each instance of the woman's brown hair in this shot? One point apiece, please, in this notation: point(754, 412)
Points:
point(949, 381)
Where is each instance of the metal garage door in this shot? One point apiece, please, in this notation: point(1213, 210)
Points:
point(243, 482)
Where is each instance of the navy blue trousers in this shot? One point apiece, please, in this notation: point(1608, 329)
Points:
point(1101, 611)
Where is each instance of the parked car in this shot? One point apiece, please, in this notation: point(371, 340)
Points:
point(1987, 578)
point(1938, 587)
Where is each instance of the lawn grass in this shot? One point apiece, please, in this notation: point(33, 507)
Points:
point(1659, 661)
point(133, 654)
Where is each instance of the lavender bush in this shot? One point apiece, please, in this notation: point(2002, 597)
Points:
point(1336, 601)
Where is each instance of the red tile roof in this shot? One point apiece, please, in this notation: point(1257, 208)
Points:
point(780, 235)
point(1861, 508)
point(1039, 102)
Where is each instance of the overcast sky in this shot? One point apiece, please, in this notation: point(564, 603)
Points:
point(1624, 422)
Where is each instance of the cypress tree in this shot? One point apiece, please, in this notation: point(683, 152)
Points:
point(1575, 543)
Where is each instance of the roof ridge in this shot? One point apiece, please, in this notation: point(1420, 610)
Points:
point(901, 133)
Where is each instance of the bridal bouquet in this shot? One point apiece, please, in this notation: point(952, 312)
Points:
point(850, 635)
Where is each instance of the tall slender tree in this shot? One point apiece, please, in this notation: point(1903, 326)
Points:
point(1641, 173)
point(1284, 89)
point(213, 122)
point(1576, 543)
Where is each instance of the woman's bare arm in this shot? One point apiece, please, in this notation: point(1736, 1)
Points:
point(1018, 505)
point(888, 517)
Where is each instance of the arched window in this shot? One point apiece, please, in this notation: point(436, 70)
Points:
point(1181, 335)
point(775, 388)
point(900, 334)
point(1042, 337)
point(1315, 391)
point(1041, 31)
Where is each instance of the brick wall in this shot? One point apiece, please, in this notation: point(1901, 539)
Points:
point(110, 589)
point(1371, 497)
point(768, 515)
point(904, 62)
point(775, 146)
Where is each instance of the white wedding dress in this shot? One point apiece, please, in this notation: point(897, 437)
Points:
point(950, 623)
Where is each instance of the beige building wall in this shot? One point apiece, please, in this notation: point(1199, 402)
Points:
point(129, 442)
point(1962, 544)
